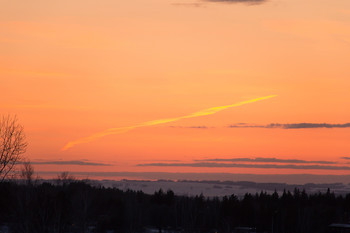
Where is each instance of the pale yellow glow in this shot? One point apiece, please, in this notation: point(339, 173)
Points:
point(204, 112)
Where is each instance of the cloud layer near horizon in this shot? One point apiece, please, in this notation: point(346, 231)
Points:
point(275, 126)
point(70, 162)
point(258, 162)
point(243, 165)
point(268, 160)
point(291, 126)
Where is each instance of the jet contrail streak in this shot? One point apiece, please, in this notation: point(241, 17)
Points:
point(205, 112)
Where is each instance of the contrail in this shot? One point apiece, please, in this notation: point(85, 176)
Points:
point(205, 112)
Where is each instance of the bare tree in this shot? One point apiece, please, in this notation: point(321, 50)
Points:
point(13, 144)
point(27, 172)
point(64, 178)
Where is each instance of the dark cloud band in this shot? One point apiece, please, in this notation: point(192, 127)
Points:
point(242, 165)
point(268, 160)
point(70, 162)
point(292, 126)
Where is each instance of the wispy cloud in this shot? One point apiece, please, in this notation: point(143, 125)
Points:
point(191, 127)
point(275, 126)
point(291, 126)
point(250, 2)
point(205, 112)
point(193, 4)
point(201, 4)
point(70, 162)
point(243, 165)
point(347, 158)
point(268, 160)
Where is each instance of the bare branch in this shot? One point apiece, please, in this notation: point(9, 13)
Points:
point(27, 172)
point(13, 144)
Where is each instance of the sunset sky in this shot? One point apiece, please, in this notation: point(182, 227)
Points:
point(179, 86)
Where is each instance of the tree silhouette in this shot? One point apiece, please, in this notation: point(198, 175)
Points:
point(27, 172)
point(12, 144)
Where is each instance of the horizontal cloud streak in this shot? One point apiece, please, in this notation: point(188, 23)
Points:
point(190, 127)
point(194, 4)
point(70, 162)
point(292, 126)
point(238, 1)
point(268, 160)
point(242, 165)
point(205, 112)
point(201, 4)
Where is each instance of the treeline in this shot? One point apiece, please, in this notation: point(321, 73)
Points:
point(77, 206)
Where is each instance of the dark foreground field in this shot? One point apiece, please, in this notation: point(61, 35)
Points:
point(77, 206)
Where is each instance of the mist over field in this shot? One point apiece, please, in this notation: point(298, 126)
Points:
point(211, 185)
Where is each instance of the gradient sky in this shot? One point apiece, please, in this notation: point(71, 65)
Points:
point(71, 69)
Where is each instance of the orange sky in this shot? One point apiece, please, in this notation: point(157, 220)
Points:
point(71, 69)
